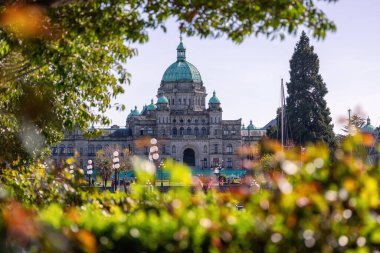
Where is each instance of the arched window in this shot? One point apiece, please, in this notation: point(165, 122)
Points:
point(181, 131)
point(196, 131)
point(174, 150)
point(203, 131)
point(54, 150)
point(70, 149)
point(62, 149)
point(205, 149)
point(163, 131)
point(174, 131)
point(188, 131)
point(229, 149)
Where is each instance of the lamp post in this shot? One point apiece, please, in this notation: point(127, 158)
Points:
point(71, 169)
point(115, 166)
point(89, 171)
point(217, 173)
point(161, 167)
point(153, 154)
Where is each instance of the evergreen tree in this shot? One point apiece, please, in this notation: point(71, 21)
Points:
point(308, 115)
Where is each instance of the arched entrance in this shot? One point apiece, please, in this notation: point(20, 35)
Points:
point(189, 157)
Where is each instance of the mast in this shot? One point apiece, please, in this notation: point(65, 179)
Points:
point(282, 113)
point(349, 122)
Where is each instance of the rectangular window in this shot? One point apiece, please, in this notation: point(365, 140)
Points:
point(215, 148)
point(229, 163)
point(204, 163)
point(215, 162)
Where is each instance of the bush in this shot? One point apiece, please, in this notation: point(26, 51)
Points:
point(323, 201)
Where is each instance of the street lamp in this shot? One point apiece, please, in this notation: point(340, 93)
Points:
point(217, 173)
point(71, 169)
point(153, 154)
point(161, 167)
point(116, 166)
point(89, 171)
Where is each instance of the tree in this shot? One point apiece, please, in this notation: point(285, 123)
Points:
point(307, 112)
point(354, 124)
point(62, 61)
point(104, 163)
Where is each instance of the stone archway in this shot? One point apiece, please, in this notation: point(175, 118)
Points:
point(189, 157)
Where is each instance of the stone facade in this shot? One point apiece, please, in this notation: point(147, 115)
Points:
point(187, 129)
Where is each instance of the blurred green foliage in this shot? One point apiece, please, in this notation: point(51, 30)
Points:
point(318, 202)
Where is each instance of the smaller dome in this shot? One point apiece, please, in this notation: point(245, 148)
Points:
point(214, 99)
point(162, 100)
point(243, 127)
point(133, 113)
point(368, 128)
point(251, 126)
point(152, 106)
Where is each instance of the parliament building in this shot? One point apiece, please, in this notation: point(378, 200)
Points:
point(189, 127)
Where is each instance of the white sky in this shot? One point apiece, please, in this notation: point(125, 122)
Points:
point(246, 77)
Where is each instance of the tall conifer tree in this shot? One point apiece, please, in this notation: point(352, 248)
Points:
point(308, 115)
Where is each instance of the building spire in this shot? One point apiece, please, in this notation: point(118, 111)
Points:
point(181, 50)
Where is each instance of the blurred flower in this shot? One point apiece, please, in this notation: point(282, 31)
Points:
point(20, 223)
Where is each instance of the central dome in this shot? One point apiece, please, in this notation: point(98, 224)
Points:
point(181, 70)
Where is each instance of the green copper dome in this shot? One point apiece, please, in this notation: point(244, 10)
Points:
point(251, 126)
point(162, 100)
point(182, 70)
point(368, 128)
point(152, 106)
point(133, 113)
point(243, 127)
point(214, 99)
